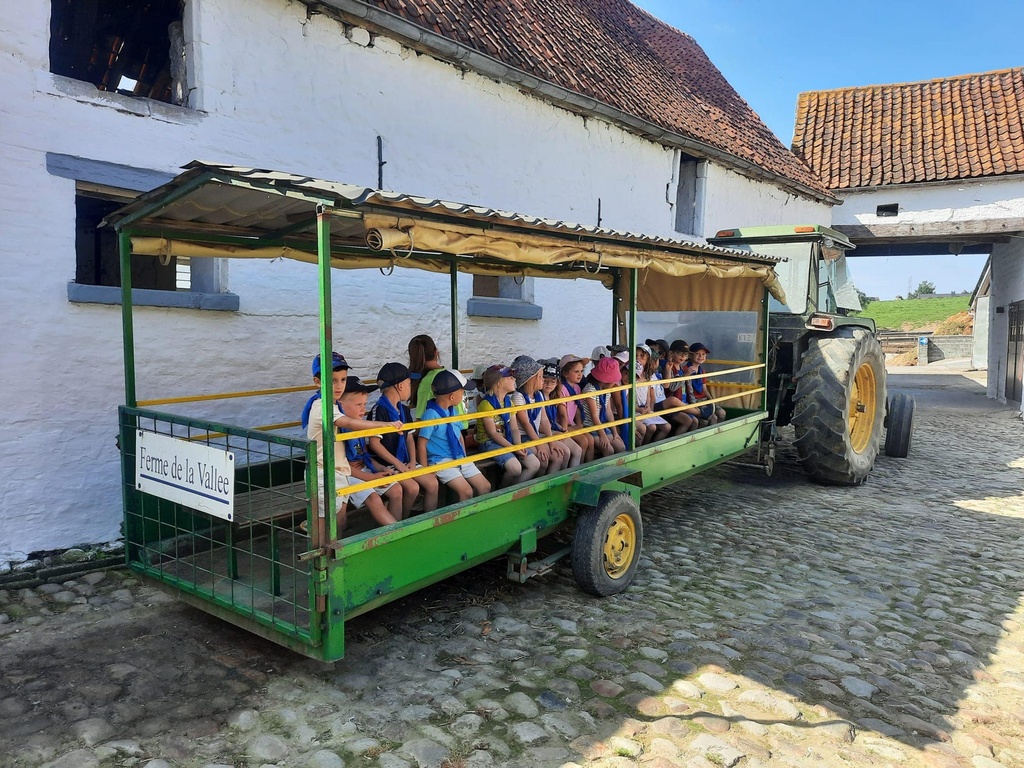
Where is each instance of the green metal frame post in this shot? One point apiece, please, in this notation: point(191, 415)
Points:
point(454, 275)
point(329, 578)
point(765, 347)
point(615, 307)
point(124, 244)
point(323, 245)
point(633, 284)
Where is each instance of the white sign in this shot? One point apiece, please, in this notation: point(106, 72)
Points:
point(191, 474)
point(745, 338)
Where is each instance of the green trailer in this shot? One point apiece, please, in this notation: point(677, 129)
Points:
point(226, 516)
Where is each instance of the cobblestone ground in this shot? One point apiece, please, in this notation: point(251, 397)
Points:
point(772, 623)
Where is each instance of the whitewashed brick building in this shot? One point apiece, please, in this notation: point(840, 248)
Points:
point(578, 111)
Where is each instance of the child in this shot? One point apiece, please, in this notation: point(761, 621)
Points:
point(547, 391)
point(675, 392)
point(399, 450)
point(570, 418)
point(529, 374)
point(441, 443)
point(646, 367)
point(597, 410)
point(697, 388)
point(312, 422)
point(623, 399)
point(494, 432)
point(424, 365)
point(659, 351)
point(353, 403)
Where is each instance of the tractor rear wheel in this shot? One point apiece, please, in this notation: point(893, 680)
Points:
point(839, 406)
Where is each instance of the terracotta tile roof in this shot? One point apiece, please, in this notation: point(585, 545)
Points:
point(954, 128)
point(615, 53)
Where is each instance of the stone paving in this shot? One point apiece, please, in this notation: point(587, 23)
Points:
point(773, 622)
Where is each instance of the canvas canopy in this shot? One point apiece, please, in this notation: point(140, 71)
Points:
point(232, 212)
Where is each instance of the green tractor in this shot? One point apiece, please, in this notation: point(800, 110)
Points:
point(826, 368)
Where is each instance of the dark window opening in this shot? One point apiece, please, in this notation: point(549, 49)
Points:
point(889, 209)
point(687, 195)
point(133, 47)
point(97, 261)
point(486, 285)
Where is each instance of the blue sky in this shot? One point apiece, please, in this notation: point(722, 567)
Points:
point(772, 51)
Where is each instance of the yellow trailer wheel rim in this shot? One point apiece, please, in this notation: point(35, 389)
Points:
point(863, 407)
point(619, 546)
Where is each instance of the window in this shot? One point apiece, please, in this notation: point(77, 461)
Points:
point(97, 261)
point(132, 47)
point(889, 209)
point(100, 188)
point(689, 195)
point(510, 297)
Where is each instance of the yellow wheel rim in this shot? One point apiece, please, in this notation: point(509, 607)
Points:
point(863, 407)
point(619, 546)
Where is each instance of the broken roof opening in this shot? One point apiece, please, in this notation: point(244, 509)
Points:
point(133, 47)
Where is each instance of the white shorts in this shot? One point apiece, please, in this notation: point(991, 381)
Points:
point(358, 498)
point(467, 471)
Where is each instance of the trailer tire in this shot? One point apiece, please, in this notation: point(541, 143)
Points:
point(839, 406)
point(606, 544)
point(900, 425)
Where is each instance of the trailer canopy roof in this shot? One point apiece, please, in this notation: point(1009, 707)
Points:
point(214, 210)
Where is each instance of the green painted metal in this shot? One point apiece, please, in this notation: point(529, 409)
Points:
point(454, 309)
point(124, 244)
point(387, 563)
point(333, 636)
point(778, 233)
point(587, 489)
point(631, 394)
point(162, 202)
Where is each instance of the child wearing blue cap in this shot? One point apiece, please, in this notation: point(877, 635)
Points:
point(440, 443)
point(396, 449)
point(312, 422)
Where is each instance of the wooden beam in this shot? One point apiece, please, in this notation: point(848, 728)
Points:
point(982, 230)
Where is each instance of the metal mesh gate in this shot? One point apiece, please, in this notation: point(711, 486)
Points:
point(252, 567)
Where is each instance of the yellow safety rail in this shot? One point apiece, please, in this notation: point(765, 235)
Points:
point(399, 476)
point(224, 396)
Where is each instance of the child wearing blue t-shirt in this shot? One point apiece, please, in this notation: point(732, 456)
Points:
point(396, 449)
point(441, 443)
point(357, 451)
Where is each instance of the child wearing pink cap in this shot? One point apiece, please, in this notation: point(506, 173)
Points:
point(597, 410)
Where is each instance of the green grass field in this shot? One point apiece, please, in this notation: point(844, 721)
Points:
point(893, 315)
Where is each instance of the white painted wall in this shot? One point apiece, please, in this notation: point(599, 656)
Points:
point(927, 203)
point(277, 90)
point(982, 321)
point(1007, 288)
point(732, 200)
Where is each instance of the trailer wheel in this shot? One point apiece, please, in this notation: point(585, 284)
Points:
point(840, 406)
point(900, 426)
point(606, 545)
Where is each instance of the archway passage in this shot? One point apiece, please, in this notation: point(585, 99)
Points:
point(928, 169)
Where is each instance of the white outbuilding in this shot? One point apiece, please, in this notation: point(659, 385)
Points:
point(590, 112)
point(934, 167)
